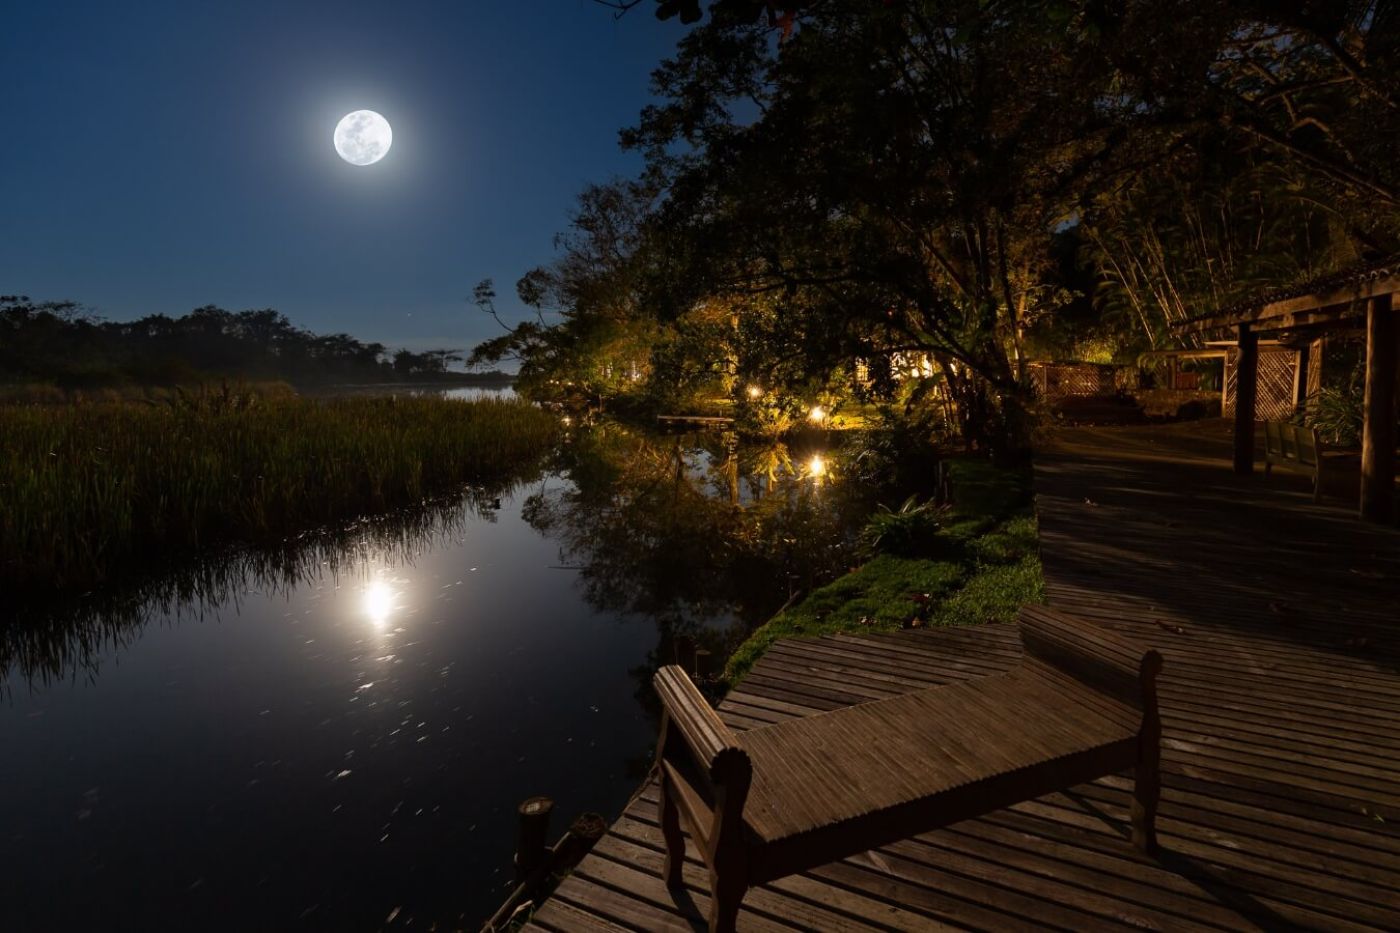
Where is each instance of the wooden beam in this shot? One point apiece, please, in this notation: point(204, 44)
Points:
point(1378, 425)
point(1345, 295)
point(1246, 391)
point(1325, 306)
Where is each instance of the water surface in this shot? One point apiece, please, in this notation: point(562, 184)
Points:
point(346, 743)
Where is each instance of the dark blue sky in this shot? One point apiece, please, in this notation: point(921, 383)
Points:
point(159, 156)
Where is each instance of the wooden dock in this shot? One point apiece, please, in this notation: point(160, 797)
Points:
point(1280, 623)
point(704, 421)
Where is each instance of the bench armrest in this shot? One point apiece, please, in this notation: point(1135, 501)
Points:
point(1091, 654)
point(699, 725)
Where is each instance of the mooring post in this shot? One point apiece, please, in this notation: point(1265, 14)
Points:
point(531, 849)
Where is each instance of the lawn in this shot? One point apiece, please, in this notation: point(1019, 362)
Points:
point(979, 566)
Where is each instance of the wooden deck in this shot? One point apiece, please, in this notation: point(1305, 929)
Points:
point(1280, 622)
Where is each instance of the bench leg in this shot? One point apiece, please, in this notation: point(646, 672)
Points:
point(727, 890)
point(1147, 790)
point(671, 832)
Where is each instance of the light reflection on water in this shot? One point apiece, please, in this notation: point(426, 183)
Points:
point(340, 735)
point(380, 599)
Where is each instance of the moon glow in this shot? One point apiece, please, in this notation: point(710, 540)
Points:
point(363, 137)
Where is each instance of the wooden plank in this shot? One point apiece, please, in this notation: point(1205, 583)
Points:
point(1281, 713)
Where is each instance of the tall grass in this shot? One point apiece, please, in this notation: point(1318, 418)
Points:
point(89, 493)
point(46, 393)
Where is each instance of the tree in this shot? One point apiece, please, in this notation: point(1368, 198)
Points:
point(895, 172)
point(592, 335)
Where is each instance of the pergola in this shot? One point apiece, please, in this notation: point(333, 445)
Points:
point(1348, 301)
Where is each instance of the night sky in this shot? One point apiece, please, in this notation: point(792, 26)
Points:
point(160, 156)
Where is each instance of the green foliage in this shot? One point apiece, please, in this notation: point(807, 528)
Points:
point(904, 531)
point(90, 492)
point(1336, 413)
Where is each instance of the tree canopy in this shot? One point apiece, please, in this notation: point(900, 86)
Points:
point(848, 185)
point(60, 342)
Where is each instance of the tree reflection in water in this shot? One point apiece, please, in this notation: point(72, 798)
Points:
point(706, 535)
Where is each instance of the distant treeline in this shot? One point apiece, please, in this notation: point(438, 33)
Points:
point(59, 342)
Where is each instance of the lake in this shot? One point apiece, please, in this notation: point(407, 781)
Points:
point(345, 741)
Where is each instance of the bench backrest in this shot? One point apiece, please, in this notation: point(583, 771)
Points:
point(1284, 440)
point(1305, 440)
point(1092, 655)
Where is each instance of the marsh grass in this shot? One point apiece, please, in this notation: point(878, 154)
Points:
point(95, 493)
point(45, 393)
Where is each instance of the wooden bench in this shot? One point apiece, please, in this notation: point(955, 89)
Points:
point(788, 797)
point(1287, 444)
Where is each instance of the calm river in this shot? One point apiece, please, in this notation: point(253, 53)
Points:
point(341, 745)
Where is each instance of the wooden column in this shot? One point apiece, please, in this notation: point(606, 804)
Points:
point(1378, 420)
point(1300, 377)
point(1246, 391)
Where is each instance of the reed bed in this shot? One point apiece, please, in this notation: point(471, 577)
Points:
point(91, 493)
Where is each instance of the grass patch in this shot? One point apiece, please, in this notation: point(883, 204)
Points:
point(91, 492)
point(985, 563)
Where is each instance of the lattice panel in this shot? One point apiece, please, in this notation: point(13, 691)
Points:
point(1054, 381)
point(1277, 370)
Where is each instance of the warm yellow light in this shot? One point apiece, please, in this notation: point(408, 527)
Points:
point(817, 415)
point(567, 421)
point(378, 601)
point(817, 466)
point(755, 391)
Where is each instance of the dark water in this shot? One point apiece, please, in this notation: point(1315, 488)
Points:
point(344, 738)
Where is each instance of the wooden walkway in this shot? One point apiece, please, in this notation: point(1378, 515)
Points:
point(1280, 622)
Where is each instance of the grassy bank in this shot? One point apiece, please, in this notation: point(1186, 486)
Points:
point(91, 492)
point(979, 566)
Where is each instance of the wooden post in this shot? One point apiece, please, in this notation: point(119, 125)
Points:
point(1147, 773)
point(1378, 418)
point(1246, 390)
point(531, 849)
point(1303, 361)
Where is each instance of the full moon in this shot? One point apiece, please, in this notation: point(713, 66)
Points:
point(363, 137)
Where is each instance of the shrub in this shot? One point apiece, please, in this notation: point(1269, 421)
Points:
point(905, 531)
